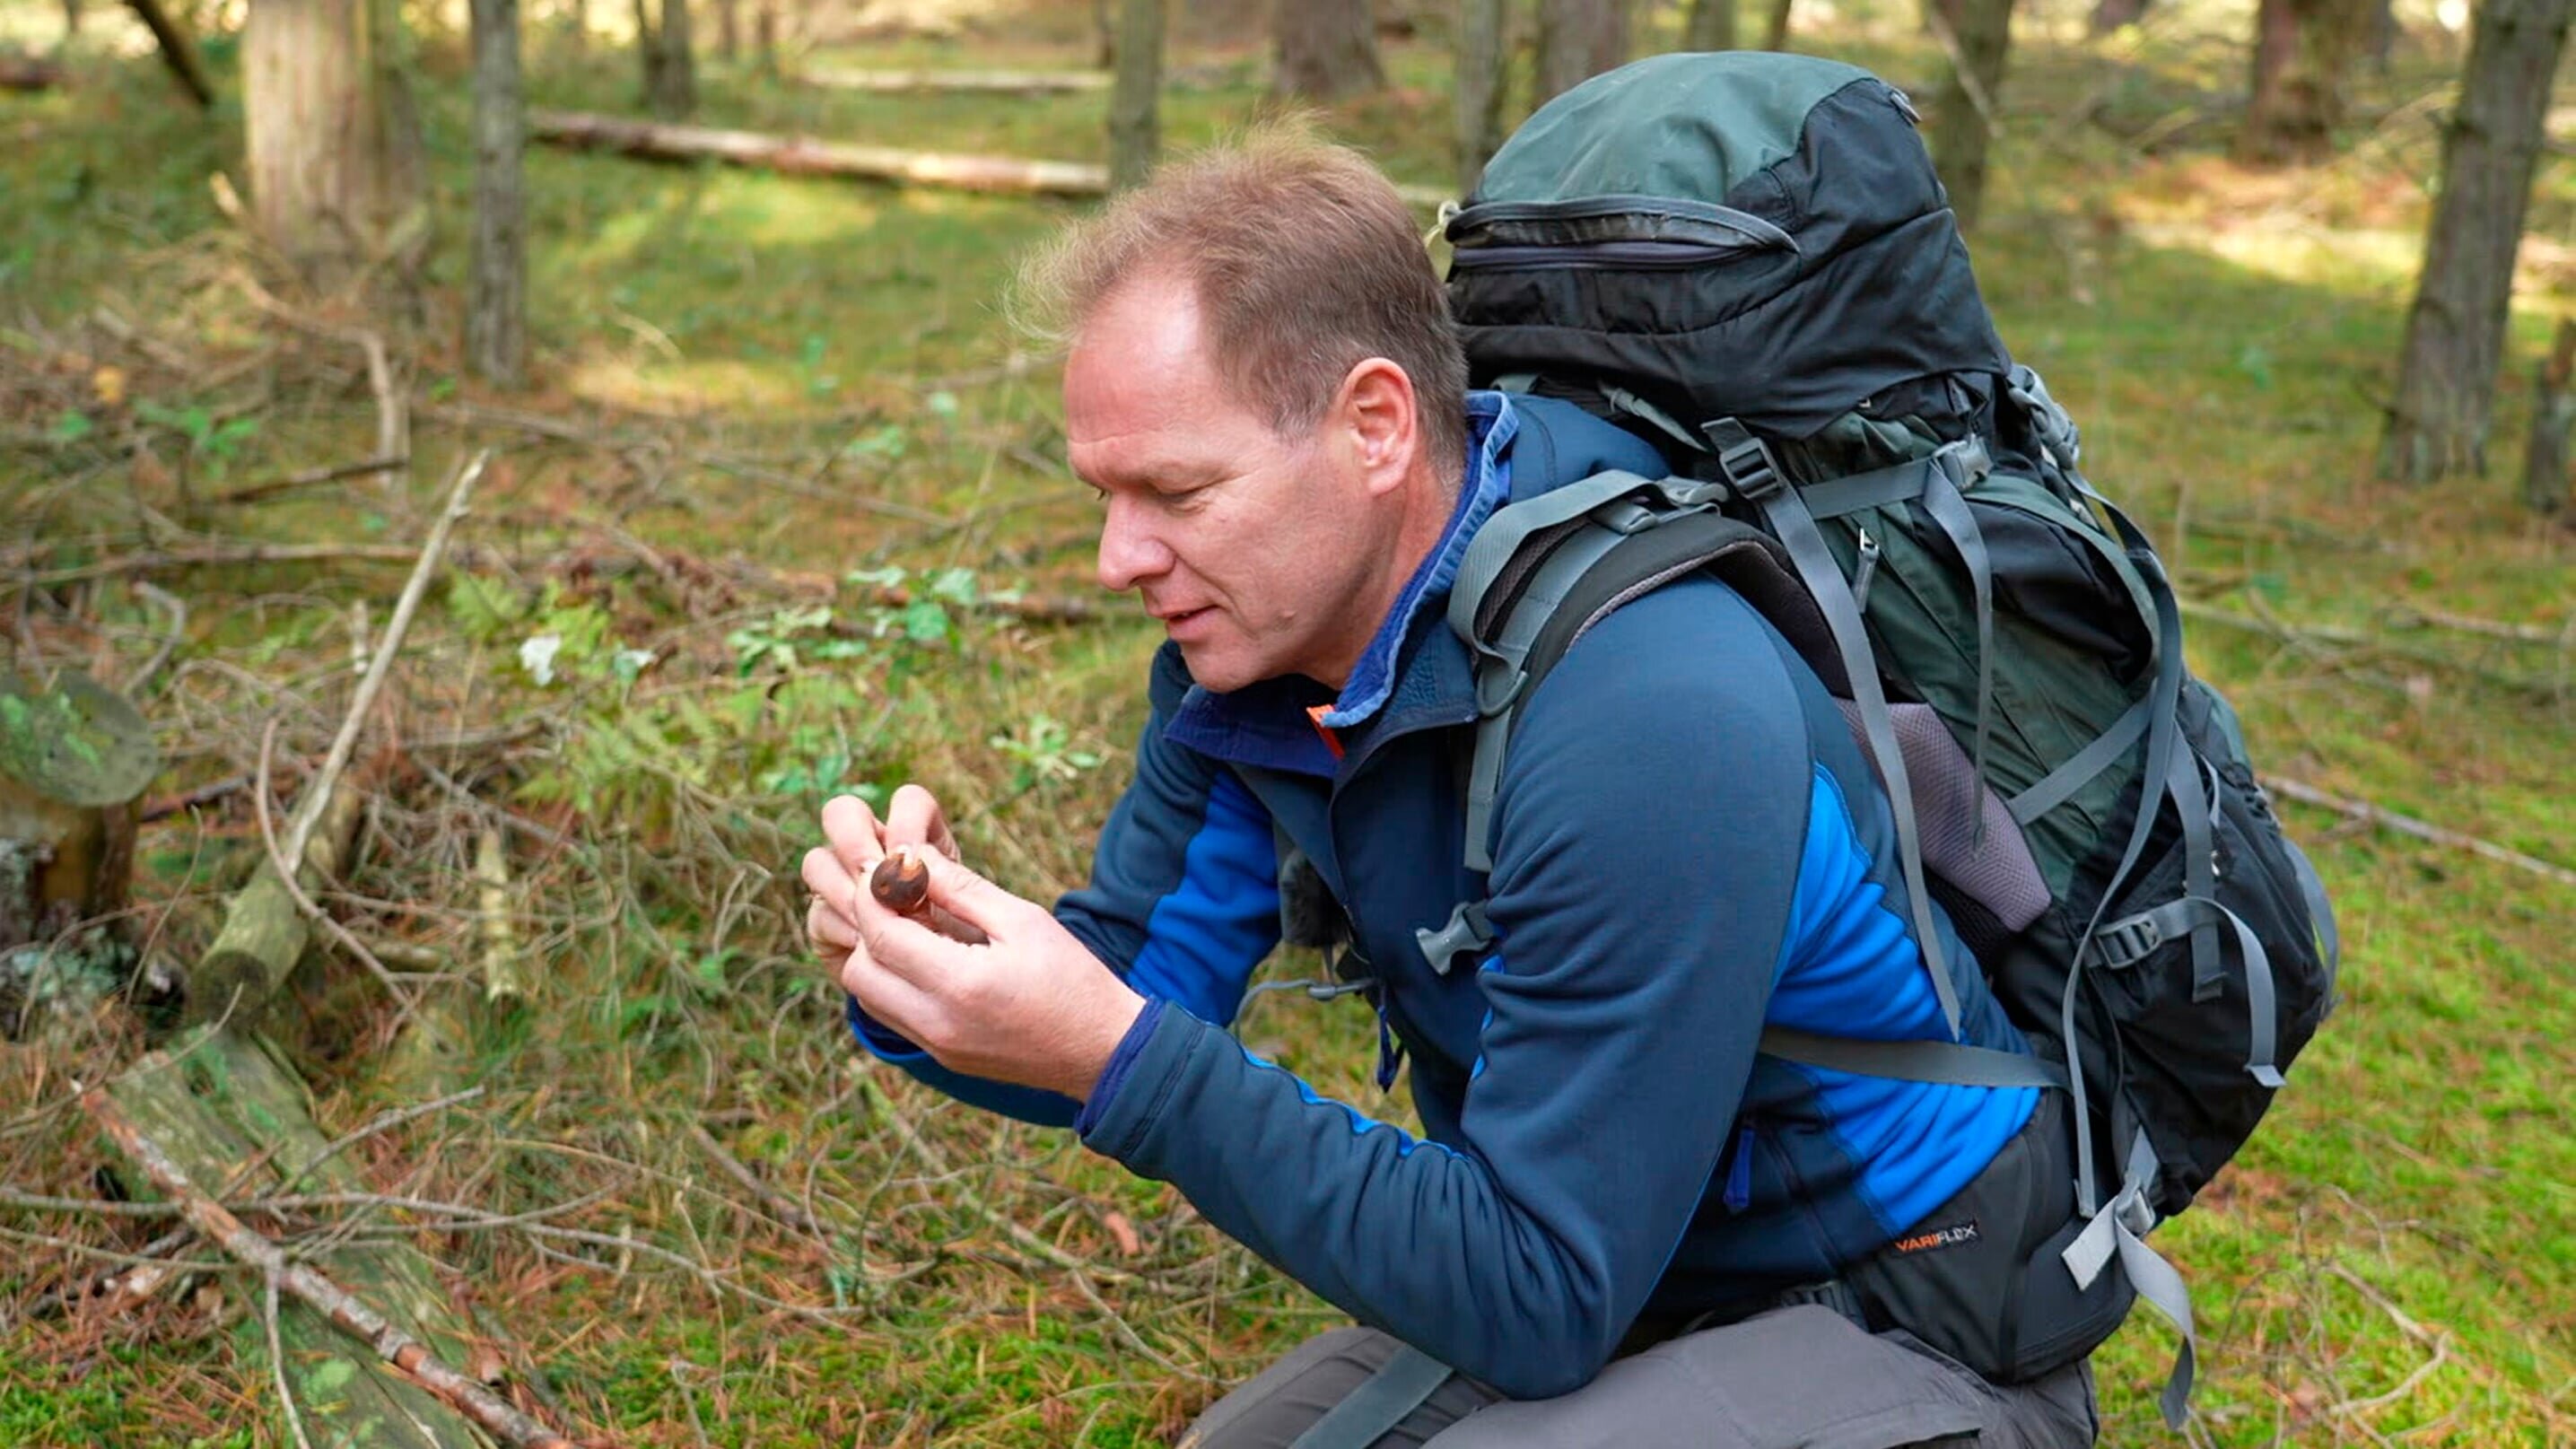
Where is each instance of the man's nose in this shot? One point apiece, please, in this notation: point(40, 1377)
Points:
point(1130, 554)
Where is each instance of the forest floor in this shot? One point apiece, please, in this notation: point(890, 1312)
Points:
point(761, 401)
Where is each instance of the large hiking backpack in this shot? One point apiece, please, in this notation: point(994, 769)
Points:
point(1746, 258)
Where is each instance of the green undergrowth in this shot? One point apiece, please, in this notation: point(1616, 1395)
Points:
point(791, 536)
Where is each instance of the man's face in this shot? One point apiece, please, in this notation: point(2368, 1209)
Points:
point(1259, 553)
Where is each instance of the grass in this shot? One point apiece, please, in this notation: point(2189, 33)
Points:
point(757, 359)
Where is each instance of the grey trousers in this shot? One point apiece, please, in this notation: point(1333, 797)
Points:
point(1795, 1378)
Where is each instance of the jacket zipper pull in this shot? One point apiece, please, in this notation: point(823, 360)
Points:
point(1390, 1053)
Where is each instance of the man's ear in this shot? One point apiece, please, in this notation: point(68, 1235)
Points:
point(1376, 415)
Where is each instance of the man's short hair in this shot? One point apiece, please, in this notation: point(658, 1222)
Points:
point(1305, 262)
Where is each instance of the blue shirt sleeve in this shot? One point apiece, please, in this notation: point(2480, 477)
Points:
point(1649, 827)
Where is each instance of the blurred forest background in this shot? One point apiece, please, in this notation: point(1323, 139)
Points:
point(514, 462)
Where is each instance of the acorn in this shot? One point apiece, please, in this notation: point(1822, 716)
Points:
point(901, 881)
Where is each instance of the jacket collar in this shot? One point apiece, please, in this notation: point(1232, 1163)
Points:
point(1410, 673)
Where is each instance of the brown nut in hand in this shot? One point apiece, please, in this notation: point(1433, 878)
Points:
point(901, 881)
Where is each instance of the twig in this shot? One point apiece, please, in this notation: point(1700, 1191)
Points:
point(2307, 794)
point(177, 609)
point(318, 789)
point(393, 413)
point(216, 556)
point(787, 1212)
point(932, 1158)
point(277, 1358)
point(344, 1311)
point(382, 1123)
point(2434, 1339)
point(286, 876)
point(310, 477)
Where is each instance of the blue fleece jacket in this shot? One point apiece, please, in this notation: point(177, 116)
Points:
point(1688, 845)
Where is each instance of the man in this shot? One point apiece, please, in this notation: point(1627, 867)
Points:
point(1621, 1225)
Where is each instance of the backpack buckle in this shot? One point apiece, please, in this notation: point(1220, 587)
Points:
point(2125, 941)
point(1468, 930)
point(1744, 460)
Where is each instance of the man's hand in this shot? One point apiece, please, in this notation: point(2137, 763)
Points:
point(1032, 1006)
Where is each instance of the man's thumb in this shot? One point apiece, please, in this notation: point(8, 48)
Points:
point(964, 898)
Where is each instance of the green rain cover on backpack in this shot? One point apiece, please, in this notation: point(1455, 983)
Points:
point(1747, 258)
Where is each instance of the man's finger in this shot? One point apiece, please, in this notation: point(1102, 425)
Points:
point(826, 877)
point(913, 817)
point(890, 999)
point(857, 839)
point(828, 929)
point(970, 899)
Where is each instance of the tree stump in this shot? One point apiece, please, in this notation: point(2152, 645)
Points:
point(264, 929)
point(74, 759)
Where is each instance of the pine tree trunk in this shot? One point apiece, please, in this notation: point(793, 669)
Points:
point(71, 19)
point(1964, 114)
point(1577, 40)
point(496, 320)
point(2553, 415)
point(1710, 25)
point(1775, 35)
point(2438, 421)
point(764, 38)
point(1326, 48)
point(729, 29)
point(670, 71)
point(333, 142)
point(1135, 97)
point(2303, 51)
point(1479, 89)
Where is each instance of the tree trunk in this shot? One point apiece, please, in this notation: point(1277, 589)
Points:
point(1775, 34)
point(2437, 423)
point(1965, 113)
point(2553, 414)
point(2110, 15)
point(1709, 26)
point(1326, 48)
point(1577, 40)
point(333, 141)
point(1135, 128)
point(729, 29)
point(764, 39)
point(71, 19)
point(576, 24)
point(1104, 35)
point(2303, 50)
point(74, 758)
point(496, 317)
point(670, 69)
point(1479, 89)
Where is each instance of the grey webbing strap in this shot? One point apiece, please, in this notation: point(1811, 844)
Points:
point(1947, 1063)
point(1499, 676)
point(1943, 499)
point(2200, 867)
point(2164, 727)
point(1876, 489)
point(2320, 913)
point(2059, 785)
point(1400, 1386)
point(2119, 1230)
point(1796, 529)
point(1503, 534)
point(2130, 938)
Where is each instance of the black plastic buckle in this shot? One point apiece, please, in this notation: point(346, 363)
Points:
point(2124, 942)
point(1748, 466)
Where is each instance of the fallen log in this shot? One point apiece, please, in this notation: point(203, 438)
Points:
point(265, 930)
point(216, 1116)
point(433, 1055)
point(29, 73)
point(808, 156)
point(182, 1138)
point(990, 82)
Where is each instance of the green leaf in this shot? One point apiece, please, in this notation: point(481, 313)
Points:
point(73, 426)
point(925, 621)
point(329, 1376)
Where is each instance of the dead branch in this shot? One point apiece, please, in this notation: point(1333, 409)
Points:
point(310, 477)
point(318, 791)
point(1001, 82)
point(177, 52)
point(218, 556)
point(177, 609)
point(501, 979)
point(344, 1311)
point(2363, 810)
point(786, 1211)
